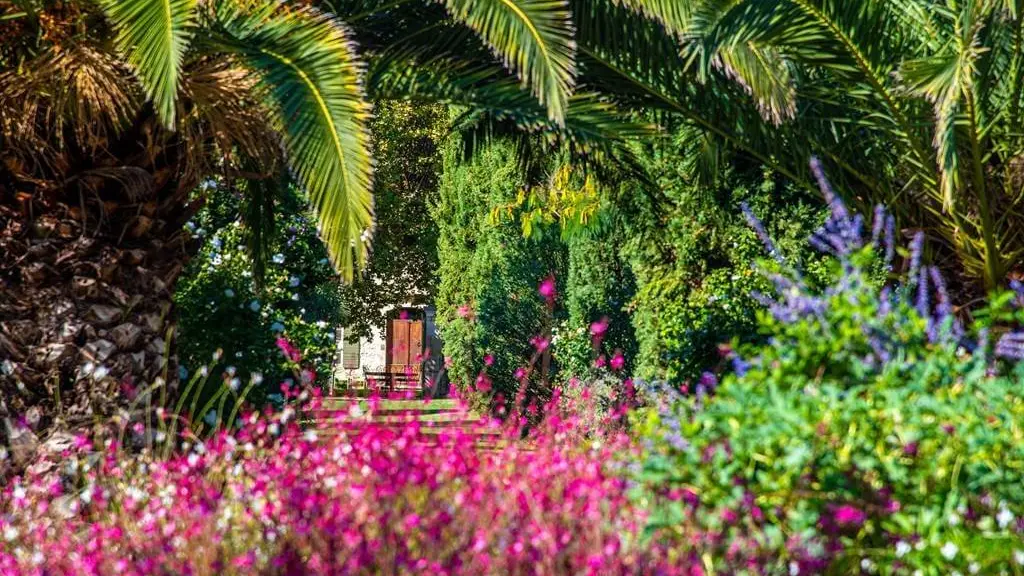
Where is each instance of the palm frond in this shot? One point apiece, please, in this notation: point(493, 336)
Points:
point(312, 79)
point(764, 74)
point(534, 38)
point(154, 35)
point(674, 15)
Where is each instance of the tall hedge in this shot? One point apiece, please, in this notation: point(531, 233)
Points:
point(487, 300)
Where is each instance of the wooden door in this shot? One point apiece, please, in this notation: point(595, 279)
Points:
point(404, 346)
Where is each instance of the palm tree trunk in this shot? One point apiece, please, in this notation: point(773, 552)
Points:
point(86, 312)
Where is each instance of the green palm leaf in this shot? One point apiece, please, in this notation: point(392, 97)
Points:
point(154, 35)
point(534, 38)
point(312, 78)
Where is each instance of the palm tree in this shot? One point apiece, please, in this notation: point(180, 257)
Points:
point(916, 103)
point(112, 113)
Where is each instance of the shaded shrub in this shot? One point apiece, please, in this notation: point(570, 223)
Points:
point(871, 432)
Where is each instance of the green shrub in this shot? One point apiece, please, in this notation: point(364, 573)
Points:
point(691, 254)
point(867, 433)
point(220, 307)
point(487, 300)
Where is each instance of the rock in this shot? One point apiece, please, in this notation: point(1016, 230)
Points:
point(126, 336)
point(34, 273)
point(70, 330)
point(83, 287)
point(21, 442)
point(98, 351)
point(156, 346)
point(32, 417)
point(52, 354)
point(59, 443)
point(103, 315)
point(152, 322)
point(139, 360)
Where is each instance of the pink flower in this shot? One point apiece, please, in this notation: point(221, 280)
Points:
point(547, 288)
point(847, 515)
point(290, 352)
point(488, 360)
point(600, 327)
point(483, 383)
point(618, 361)
point(520, 373)
point(465, 311)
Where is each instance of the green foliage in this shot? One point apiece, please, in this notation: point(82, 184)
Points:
point(221, 308)
point(856, 436)
point(403, 265)
point(535, 38)
point(692, 259)
point(487, 300)
point(915, 103)
point(154, 35)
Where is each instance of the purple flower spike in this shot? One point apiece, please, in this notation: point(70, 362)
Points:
point(890, 239)
point(838, 208)
point(762, 234)
point(916, 247)
point(922, 296)
point(877, 223)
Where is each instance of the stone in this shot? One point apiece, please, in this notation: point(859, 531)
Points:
point(152, 322)
point(21, 442)
point(103, 315)
point(52, 354)
point(126, 336)
point(83, 287)
point(98, 351)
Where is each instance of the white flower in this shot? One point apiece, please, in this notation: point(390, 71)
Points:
point(949, 550)
point(278, 258)
point(193, 459)
point(294, 281)
point(100, 373)
point(902, 549)
point(1004, 517)
point(10, 533)
point(321, 324)
point(257, 378)
point(310, 436)
point(229, 293)
point(19, 493)
point(295, 297)
point(1018, 557)
point(234, 384)
point(794, 569)
point(953, 519)
point(254, 305)
point(973, 567)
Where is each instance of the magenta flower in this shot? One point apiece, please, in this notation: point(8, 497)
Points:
point(290, 352)
point(847, 515)
point(547, 288)
point(618, 361)
point(488, 360)
point(600, 327)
